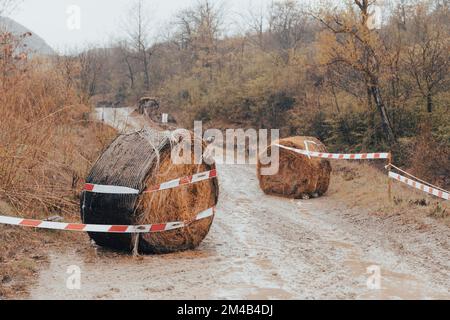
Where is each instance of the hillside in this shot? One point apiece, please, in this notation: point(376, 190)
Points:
point(34, 43)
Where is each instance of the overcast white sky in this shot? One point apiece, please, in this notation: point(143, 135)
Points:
point(101, 20)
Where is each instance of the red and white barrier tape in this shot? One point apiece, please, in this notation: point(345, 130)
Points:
point(419, 186)
point(339, 156)
point(96, 188)
point(104, 228)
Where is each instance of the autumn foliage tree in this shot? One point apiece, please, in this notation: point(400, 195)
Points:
point(332, 70)
point(349, 42)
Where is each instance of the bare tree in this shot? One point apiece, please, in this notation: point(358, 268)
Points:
point(428, 58)
point(91, 63)
point(287, 26)
point(83, 71)
point(186, 28)
point(257, 23)
point(199, 29)
point(350, 42)
point(138, 31)
point(127, 57)
point(7, 6)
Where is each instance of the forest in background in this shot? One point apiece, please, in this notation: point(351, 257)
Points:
point(330, 70)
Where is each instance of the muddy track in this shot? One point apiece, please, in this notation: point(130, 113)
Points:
point(263, 247)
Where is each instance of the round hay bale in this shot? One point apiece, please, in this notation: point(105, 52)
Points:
point(140, 160)
point(298, 176)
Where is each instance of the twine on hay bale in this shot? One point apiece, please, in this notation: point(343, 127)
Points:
point(298, 176)
point(140, 160)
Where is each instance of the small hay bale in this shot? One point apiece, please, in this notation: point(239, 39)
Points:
point(140, 160)
point(298, 176)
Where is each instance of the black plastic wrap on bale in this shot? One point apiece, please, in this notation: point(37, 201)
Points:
point(126, 162)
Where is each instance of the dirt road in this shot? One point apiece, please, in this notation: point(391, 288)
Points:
point(263, 247)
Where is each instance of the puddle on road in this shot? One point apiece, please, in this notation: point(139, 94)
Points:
point(249, 292)
point(269, 294)
point(394, 285)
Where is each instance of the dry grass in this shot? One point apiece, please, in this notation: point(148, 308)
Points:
point(361, 185)
point(298, 175)
point(182, 204)
point(23, 251)
point(47, 144)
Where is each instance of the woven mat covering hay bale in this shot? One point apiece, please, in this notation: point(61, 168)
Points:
point(298, 176)
point(141, 160)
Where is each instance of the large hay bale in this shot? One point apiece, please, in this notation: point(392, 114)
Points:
point(140, 160)
point(298, 176)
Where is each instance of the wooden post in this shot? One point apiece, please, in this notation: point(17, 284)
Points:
point(389, 179)
point(136, 245)
point(126, 125)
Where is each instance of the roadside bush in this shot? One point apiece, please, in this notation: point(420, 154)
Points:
point(45, 150)
point(430, 157)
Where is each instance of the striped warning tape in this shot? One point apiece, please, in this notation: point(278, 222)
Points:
point(151, 228)
point(96, 188)
point(420, 186)
point(339, 156)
